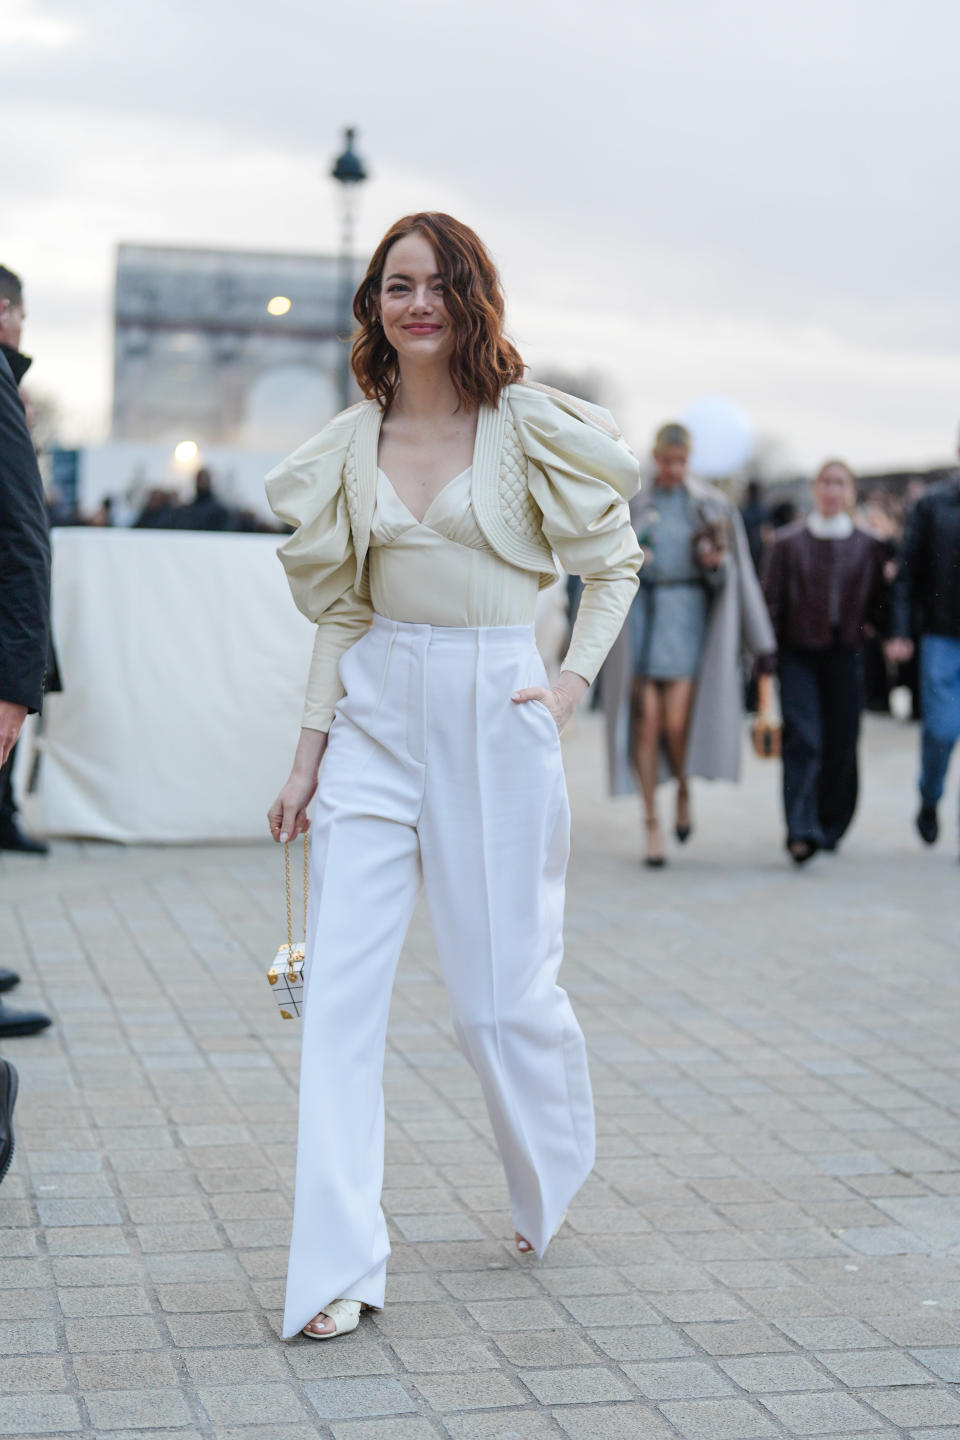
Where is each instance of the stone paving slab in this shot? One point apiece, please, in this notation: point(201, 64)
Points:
point(769, 1246)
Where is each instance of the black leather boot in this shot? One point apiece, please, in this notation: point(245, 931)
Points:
point(8, 1096)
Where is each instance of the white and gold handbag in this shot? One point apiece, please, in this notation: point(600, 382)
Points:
point(286, 973)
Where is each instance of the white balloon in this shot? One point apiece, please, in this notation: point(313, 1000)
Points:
point(723, 436)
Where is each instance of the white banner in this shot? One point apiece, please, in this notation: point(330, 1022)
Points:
point(184, 663)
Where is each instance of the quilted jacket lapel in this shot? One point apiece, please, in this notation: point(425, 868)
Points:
point(360, 480)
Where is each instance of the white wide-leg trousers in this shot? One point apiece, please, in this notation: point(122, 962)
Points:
point(432, 772)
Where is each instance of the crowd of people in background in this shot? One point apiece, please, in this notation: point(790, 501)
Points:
point(857, 596)
point(166, 509)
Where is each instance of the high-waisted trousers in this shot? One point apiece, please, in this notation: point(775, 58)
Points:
point(432, 772)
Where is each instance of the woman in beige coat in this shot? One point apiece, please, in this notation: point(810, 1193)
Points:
point(672, 686)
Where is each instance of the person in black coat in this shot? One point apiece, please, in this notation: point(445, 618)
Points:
point(24, 550)
point(825, 589)
point(22, 666)
point(24, 608)
point(927, 599)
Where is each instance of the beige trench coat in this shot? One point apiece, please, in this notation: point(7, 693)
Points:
point(738, 623)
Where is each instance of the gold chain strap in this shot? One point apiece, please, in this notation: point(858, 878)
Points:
point(306, 892)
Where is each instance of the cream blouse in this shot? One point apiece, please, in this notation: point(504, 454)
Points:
point(440, 570)
point(547, 479)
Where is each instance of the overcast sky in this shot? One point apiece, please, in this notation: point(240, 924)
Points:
point(752, 199)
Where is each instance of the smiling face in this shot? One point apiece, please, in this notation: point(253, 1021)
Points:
point(412, 309)
point(834, 492)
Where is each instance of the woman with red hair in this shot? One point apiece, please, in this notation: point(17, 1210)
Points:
point(427, 517)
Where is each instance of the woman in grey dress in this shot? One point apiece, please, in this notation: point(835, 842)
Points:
point(684, 553)
point(672, 685)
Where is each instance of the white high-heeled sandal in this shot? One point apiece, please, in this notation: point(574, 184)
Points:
point(527, 1248)
point(345, 1315)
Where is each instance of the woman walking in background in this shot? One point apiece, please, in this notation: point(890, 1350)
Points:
point(426, 519)
point(825, 587)
point(672, 687)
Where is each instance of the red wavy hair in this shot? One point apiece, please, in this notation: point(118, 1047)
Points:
point(484, 361)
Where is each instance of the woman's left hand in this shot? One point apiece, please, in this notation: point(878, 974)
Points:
point(561, 701)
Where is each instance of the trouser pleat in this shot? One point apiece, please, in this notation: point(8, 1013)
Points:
point(496, 898)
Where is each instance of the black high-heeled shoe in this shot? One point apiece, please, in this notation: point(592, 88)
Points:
point(683, 832)
point(653, 862)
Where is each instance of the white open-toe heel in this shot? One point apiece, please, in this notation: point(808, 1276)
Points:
point(524, 1246)
point(345, 1315)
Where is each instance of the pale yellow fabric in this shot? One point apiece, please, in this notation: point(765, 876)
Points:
point(441, 571)
point(548, 473)
point(338, 628)
point(305, 491)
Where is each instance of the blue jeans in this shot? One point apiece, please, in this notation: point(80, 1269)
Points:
point(940, 692)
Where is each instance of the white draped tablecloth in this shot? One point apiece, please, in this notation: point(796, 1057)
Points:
point(184, 663)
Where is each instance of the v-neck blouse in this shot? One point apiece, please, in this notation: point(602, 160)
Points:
point(549, 474)
point(440, 570)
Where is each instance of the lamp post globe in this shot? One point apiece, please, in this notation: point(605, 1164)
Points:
point(348, 168)
point(349, 172)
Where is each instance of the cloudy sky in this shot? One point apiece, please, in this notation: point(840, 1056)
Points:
point(750, 199)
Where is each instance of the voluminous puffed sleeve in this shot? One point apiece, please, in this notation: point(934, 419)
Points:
point(305, 490)
point(582, 473)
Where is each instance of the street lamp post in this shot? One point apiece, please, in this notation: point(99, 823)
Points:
point(349, 172)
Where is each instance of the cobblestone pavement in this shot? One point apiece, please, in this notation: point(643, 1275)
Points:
point(770, 1244)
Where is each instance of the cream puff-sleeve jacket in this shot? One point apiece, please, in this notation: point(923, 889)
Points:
point(551, 475)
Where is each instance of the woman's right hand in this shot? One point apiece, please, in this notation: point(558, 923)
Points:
point(287, 815)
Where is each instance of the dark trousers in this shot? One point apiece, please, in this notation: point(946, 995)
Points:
point(821, 695)
point(8, 804)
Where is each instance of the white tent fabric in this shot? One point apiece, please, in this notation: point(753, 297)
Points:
point(184, 662)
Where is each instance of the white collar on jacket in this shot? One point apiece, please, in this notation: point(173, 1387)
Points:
point(830, 527)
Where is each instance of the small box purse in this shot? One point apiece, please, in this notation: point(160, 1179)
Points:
point(711, 532)
point(286, 973)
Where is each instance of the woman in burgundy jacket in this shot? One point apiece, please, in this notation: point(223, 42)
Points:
point(824, 586)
